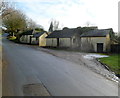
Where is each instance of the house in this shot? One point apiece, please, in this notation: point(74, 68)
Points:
point(33, 37)
point(26, 36)
point(64, 38)
point(39, 38)
point(98, 40)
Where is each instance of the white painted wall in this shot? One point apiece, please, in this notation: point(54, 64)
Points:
point(25, 38)
point(64, 42)
point(94, 41)
point(42, 40)
point(51, 42)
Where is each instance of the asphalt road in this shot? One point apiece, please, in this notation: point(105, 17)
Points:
point(27, 65)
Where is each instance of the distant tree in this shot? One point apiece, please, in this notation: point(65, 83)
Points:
point(39, 29)
point(32, 24)
point(116, 39)
point(65, 28)
point(53, 25)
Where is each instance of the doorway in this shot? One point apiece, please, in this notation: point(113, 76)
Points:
point(57, 42)
point(99, 47)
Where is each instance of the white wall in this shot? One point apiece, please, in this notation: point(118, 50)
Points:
point(93, 41)
point(42, 40)
point(64, 42)
point(25, 38)
point(51, 42)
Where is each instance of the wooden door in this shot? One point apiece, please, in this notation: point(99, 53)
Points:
point(57, 42)
point(99, 47)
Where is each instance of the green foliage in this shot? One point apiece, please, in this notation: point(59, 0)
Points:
point(118, 39)
point(113, 62)
point(39, 29)
point(12, 38)
point(15, 21)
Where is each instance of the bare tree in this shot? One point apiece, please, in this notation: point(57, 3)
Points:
point(53, 25)
point(32, 24)
point(6, 8)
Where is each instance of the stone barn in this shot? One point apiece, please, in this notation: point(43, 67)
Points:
point(26, 36)
point(39, 38)
point(66, 38)
point(98, 40)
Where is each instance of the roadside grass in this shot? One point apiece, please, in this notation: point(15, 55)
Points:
point(12, 38)
point(102, 53)
point(113, 62)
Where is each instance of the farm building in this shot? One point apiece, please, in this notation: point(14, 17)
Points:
point(98, 40)
point(64, 38)
point(32, 37)
point(26, 36)
point(39, 38)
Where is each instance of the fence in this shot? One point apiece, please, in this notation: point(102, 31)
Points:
point(115, 48)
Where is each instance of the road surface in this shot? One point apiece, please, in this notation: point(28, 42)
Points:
point(27, 65)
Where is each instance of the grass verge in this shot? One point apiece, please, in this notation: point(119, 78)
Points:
point(113, 62)
point(12, 38)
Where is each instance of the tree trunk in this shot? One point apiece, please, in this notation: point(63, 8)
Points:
point(13, 34)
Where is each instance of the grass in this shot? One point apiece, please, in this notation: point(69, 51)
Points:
point(102, 53)
point(12, 38)
point(113, 62)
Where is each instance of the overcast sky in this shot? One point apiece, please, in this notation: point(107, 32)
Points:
point(72, 13)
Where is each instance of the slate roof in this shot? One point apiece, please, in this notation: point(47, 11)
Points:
point(29, 32)
point(38, 34)
point(96, 33)
point(65, 33)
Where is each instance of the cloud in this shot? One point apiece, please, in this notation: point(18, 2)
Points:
point(105, 12)
point(72, 13)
